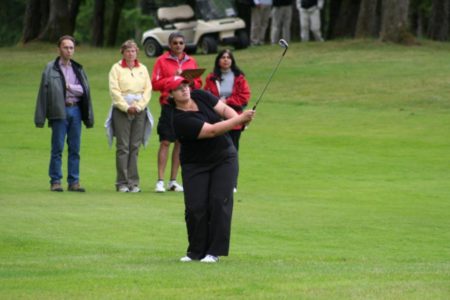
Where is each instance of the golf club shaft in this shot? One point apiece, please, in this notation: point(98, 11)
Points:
point(270, 78)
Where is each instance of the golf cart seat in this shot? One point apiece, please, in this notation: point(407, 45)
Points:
point(178, 17)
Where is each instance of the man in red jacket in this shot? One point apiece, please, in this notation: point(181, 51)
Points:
point(170, 64)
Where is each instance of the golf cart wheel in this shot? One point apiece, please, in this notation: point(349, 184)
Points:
point(242, 40)
point(152, 48)
point(191, 49)
point(208, 45)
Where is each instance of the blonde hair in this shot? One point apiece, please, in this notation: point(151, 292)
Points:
point(129, 44)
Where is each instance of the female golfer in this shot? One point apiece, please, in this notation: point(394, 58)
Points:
point(208, 167)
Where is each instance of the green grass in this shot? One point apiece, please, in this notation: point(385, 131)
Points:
point(344, 187)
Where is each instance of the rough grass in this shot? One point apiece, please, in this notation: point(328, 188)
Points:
point(343, 194)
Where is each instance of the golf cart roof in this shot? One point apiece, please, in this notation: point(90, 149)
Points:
point(178, 13)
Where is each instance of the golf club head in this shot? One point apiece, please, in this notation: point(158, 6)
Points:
point(283, 43)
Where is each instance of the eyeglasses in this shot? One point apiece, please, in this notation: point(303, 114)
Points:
point(178, 43)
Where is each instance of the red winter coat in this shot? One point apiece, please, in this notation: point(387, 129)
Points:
point(240, 94)
point(166, 66)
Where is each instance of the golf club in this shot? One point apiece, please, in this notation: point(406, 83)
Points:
point(284, 45)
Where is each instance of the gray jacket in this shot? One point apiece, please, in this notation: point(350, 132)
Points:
point(50, 102)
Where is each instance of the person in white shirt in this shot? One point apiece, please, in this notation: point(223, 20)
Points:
point(260, 19)
point(310, 18)
point(281, 20)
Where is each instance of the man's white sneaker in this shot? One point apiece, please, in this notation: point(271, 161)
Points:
point(174, 186)
point(135, 189)
point(235, 190)
point(123, 189)
point(210, 259)
point(160, 187)
point(185, 259)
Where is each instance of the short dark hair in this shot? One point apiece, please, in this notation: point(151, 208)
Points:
point(66, 37)
point(174, 35)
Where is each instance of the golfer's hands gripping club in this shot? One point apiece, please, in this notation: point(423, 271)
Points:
point(247, 116)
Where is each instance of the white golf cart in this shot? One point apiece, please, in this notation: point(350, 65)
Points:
point(216, 24)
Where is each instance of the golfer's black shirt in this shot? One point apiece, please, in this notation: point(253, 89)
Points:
point(187, 127)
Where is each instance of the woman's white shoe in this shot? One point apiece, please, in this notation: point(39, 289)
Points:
point(210, 259)
point(185, 259)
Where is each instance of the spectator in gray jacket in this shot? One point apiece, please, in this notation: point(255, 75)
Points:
point(260, 19)
point(281, 20)
point(64, 99)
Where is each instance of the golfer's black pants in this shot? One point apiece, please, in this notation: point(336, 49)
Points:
point(235, 137)
point(208, 198)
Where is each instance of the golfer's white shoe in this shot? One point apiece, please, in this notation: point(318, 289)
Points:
point(210, 259)
point(185, 259)
point(123, 189)
point(160, 187)
point(135, 189)
point(174, 186)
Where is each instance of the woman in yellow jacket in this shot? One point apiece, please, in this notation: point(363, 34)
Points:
point(130, 88)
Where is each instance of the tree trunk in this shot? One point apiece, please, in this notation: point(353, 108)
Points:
point(98, 23)
point(438, 28)
point(73, 13)
point(295, 23)
point(244, 12)
point(395, 27)
point(117, 10)
point(191, 3)
point(148, 7)
point(368, 24)
point(58, 23)
point(343, 17)
point(36, 13)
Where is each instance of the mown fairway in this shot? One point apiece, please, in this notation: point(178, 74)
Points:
point(344, 188)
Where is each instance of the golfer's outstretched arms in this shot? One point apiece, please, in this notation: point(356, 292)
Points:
point(212, 130)
point(224, 110)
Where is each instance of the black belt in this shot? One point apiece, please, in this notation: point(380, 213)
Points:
point(70, 104)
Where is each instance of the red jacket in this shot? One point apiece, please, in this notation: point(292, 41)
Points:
point(240, 94)
point(166, 66)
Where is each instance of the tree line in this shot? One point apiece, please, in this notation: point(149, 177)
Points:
point(390, 20)
point(108, 22)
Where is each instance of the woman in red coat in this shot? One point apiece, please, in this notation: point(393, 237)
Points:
point(228, 83)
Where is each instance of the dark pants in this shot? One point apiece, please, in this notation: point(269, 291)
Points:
point(235, 136)
point(208, 197)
